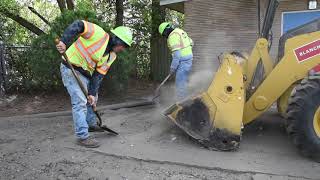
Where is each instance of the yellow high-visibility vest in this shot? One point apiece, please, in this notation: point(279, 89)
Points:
point(179, 40)
point(88, 50)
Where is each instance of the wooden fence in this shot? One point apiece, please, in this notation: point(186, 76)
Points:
point(160, 59)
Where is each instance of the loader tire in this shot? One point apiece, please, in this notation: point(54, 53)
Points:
point(303, 117)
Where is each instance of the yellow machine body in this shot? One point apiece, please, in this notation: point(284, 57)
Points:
point(215, 117)
point(225, 94)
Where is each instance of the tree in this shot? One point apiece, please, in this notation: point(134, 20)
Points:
point(9, 8)
point(65, 4)
point(22, 21)
point(147, 57)
point(119, 11)
point(62, 5)
point(70, 4)
point(138, 18)
point(39, 15)
point(159, 53)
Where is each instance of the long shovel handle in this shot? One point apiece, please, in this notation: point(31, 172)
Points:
point(157, 91)
point(84, 90)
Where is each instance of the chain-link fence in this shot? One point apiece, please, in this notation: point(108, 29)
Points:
point(10, 77)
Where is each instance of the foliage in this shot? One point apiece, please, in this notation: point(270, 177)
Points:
point(43, 60)
point(175, 17)
point(119, 74)
point(38, 67)
point(12, 33)
point(9, 5)
point(47, 9)
point(139, 19)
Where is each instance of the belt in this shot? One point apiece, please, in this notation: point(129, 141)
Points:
point(79, 69)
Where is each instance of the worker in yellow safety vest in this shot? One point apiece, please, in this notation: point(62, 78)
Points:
point(91, 55)
point(180, 45)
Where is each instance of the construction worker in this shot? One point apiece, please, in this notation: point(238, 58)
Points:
point(181, 47)
point(91, 55)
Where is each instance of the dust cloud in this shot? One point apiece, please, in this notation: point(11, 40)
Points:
point(205, 64)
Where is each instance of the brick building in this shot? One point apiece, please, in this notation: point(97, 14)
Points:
point(220, 26)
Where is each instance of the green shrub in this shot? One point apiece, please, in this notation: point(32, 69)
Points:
point(119, 73)
point(40, 63)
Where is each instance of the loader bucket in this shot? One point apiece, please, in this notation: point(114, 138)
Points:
point(214, 118)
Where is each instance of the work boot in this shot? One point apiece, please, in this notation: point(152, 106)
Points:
point(90, 142)
point(95, 128)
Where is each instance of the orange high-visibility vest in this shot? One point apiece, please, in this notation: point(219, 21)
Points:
point(88, 50)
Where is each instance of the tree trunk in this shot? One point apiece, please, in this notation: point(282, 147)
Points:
point(2, 71)
point(62, 5)
point(23, 22)
point(70, 4)
point(39, 15)
point(159, 52)
point(119, 10)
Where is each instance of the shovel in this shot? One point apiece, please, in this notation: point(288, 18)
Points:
point(85, 92)
point(157, 91)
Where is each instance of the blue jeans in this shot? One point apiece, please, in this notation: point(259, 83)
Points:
point(182, 78)
point(82, 112)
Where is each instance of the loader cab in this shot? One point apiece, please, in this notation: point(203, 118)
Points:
point(309, 27)
point(291, 28)
point(293, 25)
point(299, 28)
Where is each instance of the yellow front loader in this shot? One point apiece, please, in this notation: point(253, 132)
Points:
point(245, 87)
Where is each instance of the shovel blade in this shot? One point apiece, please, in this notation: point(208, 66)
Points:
point(109, 130)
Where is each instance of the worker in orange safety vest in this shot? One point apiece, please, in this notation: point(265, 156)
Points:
point(91, 55)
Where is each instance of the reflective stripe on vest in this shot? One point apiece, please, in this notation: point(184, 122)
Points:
point(98, 45)
point(108, 60)
point(87, 53)
point(84, 53)
point(89, 30)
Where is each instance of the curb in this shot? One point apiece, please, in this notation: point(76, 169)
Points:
point(117, 106)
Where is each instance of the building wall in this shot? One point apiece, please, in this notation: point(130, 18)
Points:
point(220, 26)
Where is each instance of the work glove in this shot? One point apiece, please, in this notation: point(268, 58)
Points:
point(61, 47)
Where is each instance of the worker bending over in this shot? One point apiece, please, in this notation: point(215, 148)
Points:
point(181, 47)
point(91, 55)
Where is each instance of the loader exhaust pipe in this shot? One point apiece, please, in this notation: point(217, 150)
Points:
point(269, 17)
